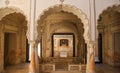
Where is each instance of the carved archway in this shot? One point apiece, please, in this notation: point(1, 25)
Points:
point(80, 22)
point(8, 10)
point(13, 27)
point(109, 30)
point(70, 9)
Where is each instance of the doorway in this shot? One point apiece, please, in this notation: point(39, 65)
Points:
point(63, 45)
point(27, 51)
point(9, 49)
point(99, 49)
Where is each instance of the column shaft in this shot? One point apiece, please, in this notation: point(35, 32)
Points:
point(90, 58)
point(32, 66)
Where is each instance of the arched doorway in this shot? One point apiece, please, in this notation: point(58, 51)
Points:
point(13, 26)
point(109, 30)
point(69, 19)
point(63, 45)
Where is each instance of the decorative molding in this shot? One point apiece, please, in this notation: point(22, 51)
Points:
point(70, 9)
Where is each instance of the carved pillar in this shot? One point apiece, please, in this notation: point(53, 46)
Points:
point(105, 47)
point(43, 43)
point(90, 58)
point(0, 36)
point(18, 46)
point(1, 55)
point(23, 47)
point(48, 39)
point(34, 63)
point(1, 48)
point(32, 66)
point(36, 53)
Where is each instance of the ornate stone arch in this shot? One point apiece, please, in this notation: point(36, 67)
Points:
point(8, 10)
point(108, 10)
point(114, 8)
point(4, 11)
point(13, 21)
point(70, 9)
point(109, 25)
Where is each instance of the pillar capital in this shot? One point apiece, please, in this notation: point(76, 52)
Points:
point(31, 42)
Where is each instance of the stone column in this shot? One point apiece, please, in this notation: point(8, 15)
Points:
point(90, 58)
point(92, 20)
point(36, 59)
point(36, 54)
point(23, 44)
point(32, 66)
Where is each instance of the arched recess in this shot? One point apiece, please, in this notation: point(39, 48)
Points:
point(109, 33)
point(13, 28)
point(75, 17)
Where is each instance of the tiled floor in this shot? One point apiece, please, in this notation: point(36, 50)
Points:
point(23, 68)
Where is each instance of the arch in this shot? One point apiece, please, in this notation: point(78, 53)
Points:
point(114, 8)
point(70, 9)
point(13, 22)
point(108, 25)
point(8, 10)
point(4, 11)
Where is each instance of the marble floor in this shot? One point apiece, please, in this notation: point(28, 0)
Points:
point(23, 68)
